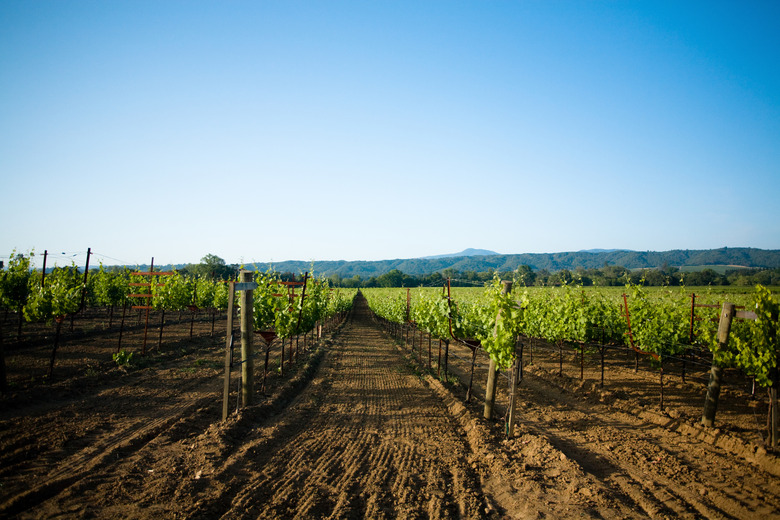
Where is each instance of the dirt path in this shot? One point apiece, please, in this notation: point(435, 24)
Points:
point(356, 431)
point(366, 439)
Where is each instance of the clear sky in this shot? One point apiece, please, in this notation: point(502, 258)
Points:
point(368, 130)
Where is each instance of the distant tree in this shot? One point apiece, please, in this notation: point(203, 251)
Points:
point(755, 276)
point(355, 282)
point(582, 277)
point(526, 275)
point(705, 277)
point(432, 279)
point(392, 278)
point(212, 267)
point(542, 277)
point(287, 276)
point(562, 277)
point(652, 277)
point(616, 274)
point(335, 280)
point(767, 277)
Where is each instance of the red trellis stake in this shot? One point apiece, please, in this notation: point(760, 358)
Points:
point(151, 273)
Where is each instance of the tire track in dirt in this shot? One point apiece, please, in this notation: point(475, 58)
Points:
point(101, 452)
point(664, 473)
point(367, 439)
point(658, 466)
point(97, 434)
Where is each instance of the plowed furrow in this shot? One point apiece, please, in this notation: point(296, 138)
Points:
point(100, 452)
point(662, 472)
point(373, 441)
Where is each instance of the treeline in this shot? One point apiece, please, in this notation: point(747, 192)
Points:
point(553, 262)
point(213, 267)
point(604, 277)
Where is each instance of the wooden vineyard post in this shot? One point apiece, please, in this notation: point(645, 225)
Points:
point(520, 357)
point(228, 350)
point(490, 388)
point(58, 320)
point(716, 372)
point(247, 335)
point(43, 271)
point(84, 286)
point(471, 376)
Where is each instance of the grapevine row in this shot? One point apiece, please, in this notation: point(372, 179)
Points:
point(662, 327)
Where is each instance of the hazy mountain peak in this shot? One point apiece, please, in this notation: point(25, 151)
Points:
point(466, 252)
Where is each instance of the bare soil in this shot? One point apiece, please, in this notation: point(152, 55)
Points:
point(355, 428)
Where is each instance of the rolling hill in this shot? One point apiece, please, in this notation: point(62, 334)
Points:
point(727, 256)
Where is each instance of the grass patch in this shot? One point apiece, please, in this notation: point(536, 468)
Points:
point(207, 363)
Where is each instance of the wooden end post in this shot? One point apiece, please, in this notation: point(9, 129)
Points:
point(716, 372)
point(247, 336)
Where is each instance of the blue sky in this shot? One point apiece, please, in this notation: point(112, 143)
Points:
point(367, 130)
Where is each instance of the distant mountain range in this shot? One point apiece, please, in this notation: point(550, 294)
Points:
point(466, 252)
point(602, 250)
point(470, 260)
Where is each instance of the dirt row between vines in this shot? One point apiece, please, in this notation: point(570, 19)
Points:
point(357, 430)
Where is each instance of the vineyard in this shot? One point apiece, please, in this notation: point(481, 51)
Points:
point(669, 332)
point(423, 403)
